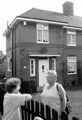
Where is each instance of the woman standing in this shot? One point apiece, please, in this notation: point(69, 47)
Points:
point(51, 97)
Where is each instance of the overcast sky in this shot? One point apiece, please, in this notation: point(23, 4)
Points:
point(9, 9)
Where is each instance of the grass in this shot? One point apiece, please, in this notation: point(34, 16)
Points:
point(75, 95)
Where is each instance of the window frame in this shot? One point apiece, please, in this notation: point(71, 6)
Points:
point(43, 27)
point(32, 74)
point(70, 60)
point(11, 39)
point(54, 62)
point(71, 33)
point(8, 64)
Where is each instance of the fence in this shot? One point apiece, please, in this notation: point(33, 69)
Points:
point(35, 108)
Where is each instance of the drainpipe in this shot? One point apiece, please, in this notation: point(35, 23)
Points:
point(12, 46)
point(14, 55)
point(12, 51)
point(15, 51)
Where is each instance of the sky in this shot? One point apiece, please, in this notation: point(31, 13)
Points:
point(9, 9)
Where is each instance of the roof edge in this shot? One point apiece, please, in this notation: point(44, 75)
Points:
point(72, 27)
point(17, 19)
point(44, 55)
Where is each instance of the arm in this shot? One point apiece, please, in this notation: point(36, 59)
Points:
point(21, 98)
point(62, 95)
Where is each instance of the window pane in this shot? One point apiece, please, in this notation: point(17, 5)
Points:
point(39, 35)
point(31, 62)
point(68, 39)
point(9, 64)
point(39, 26)
point(74, 39)
point(73, 36)
point(71, 67)
point(71, 59)
point(32, 67)
point(71, 39)
point(45, 36)
point(32, 72)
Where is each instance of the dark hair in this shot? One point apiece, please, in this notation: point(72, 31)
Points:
point(11, 84)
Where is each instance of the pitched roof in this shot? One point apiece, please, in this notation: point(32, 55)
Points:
point(49, 16)
point(73, 21)
point(43, 15)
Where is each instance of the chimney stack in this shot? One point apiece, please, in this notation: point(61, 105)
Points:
point(68, 8)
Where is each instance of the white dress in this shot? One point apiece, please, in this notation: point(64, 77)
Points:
point(50, 97)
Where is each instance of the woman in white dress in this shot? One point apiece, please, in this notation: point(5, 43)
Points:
point(50, 96)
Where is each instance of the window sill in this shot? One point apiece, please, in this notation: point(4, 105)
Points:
point(71, 45)
point(71, 73)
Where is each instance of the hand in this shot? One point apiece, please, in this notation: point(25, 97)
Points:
point(28, 97)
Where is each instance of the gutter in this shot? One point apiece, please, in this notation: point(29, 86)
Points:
point(72, 27)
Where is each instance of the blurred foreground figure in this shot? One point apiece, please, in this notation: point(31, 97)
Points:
point(13, 100)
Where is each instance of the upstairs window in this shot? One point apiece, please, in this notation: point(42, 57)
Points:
point(32, 67)
point(71, 38)
point(42, 33)
point(71, 65)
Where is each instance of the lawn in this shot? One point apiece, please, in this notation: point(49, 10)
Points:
point(75, 95)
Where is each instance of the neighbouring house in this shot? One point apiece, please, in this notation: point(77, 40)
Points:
point(39, 40)
point(2, 67)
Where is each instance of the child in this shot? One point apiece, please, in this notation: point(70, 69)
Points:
point(13, 100)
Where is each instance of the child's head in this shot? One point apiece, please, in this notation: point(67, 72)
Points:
point(13, 85)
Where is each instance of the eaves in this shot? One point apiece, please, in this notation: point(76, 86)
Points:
point(17, 19)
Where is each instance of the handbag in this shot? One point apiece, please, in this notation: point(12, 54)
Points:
point(68, 108)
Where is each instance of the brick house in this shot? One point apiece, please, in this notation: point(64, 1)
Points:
point(2, 66)
point(39, 40)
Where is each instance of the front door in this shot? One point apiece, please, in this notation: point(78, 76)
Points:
point(43, 68)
